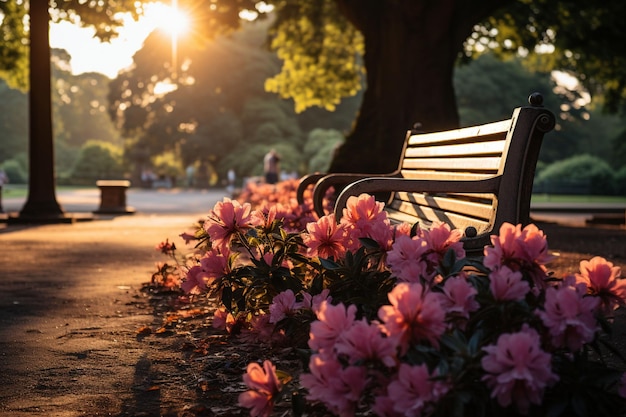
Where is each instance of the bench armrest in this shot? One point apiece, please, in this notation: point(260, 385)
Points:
point(339, 181)
point(373, 185)
point(306, 182)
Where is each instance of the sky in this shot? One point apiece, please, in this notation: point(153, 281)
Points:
point(90, 55)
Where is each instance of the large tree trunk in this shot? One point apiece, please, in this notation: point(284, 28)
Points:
point(411, 48)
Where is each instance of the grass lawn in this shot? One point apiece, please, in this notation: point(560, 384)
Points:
point(21, 190)
point(557, 198)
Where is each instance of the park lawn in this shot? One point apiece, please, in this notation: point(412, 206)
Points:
point(558, 198)
point(21, 190)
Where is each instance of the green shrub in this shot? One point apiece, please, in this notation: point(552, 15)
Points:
point(97, 161)
point(16, 173)
point(588, 173)
point(620, 181)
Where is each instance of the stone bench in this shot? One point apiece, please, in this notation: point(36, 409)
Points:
point(113, 197)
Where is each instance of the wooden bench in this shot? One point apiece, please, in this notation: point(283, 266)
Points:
point(113, 197)
point(474, 178)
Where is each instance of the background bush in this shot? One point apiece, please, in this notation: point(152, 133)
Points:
point(97, 161)
point(580, 174)
point(15, 171)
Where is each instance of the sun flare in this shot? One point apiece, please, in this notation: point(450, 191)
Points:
point(171, 19)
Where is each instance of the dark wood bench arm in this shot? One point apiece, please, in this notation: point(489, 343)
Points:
point(306, 182)
point(380, 184)
point(339, 181)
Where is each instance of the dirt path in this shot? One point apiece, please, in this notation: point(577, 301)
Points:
point(71, 305)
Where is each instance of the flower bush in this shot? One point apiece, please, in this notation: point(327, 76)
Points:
point(395, 320)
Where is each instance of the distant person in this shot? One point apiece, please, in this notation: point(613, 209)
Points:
point(190, 171)
point(271, 167)
point(231, 176)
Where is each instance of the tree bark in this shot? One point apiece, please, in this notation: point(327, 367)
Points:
point(41, 200)
point(410, 52)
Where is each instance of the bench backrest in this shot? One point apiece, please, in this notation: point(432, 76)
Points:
point(504, 154)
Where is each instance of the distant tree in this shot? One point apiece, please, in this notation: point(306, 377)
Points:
point(80, 104)
point(488, 89)
point(320, 146)
point(217, 105)
point(96, 161)
point(408, 50)
point(25, 62)
point(13, 122)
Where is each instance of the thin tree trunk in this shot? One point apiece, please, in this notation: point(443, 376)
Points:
point(41, 200)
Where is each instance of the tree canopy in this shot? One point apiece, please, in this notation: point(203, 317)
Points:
point(403, 52)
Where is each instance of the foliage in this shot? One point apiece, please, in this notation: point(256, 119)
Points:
point(15, 171)
point(620, 181)
point(315, 43)
point(487, 89)
point(79, 104)
point(584, 40)
point(319, 148)
point(596, 173)
point(13, 121)
point(168, 165)
point(402, 323)
point(104, 17)
point(97, 161)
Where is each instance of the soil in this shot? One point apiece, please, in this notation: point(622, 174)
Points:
point(81, 334)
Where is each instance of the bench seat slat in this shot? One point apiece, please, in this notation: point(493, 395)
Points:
point(414, 202)
point(460, 150)
point(438, 175)
point(474, 132)
point(429, 215)
point(480, 164)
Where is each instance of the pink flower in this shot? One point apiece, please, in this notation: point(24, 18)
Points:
point(215, 263)
point(364, 341)
point(459, 297)
point(524, 250)
point(517, 370)
point(195, 280)
point(569, 315)
point(405, 259)
point(403, 229)
point(338, 388)
point(166, 247)
point(314, 302)
point(264, 386)
point(227, 218)
point(384, 407)
point(362, 211)
point(602, 279)
point(440, 238)
point(224, 320)
point(364, 217)
point(261, 330)
point(282, 305)
point(213, 266)
point(507, 285)
point(415, 391)
point(326, 238)
point(414, 315)
point(331, 322)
